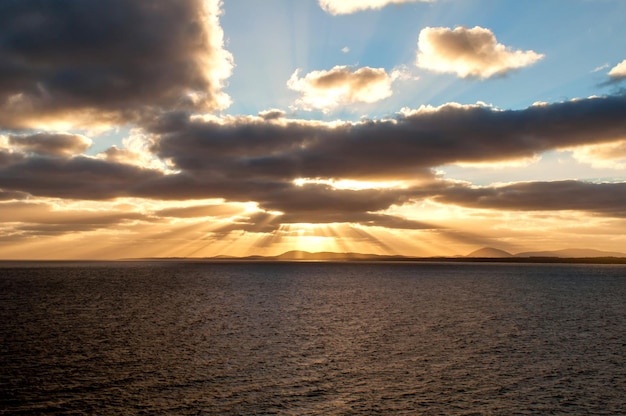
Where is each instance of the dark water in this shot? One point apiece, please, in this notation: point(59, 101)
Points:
point(312, 339)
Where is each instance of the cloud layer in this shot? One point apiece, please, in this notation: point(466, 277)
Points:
point(469, 52)
point(404, 148)
point(253, 159)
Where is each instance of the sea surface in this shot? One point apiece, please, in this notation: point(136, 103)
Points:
point(161, 338)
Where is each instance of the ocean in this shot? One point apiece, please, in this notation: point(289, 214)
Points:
point(194, 338)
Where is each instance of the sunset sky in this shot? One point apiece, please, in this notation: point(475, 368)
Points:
point(171, 128)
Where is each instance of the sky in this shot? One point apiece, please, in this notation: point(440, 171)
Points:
point(197, 128)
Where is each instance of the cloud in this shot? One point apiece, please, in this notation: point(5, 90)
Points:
point(251, 159)
point(199, 211)
point(404, 148)
point(314, 198)
point(79, 177)
point(86, 62)
point(135, 150)
point(341, 85)
point(41, 218)
point(600, 68)
point(336, 7)
point(601, 198)
point(469, 52)
point(618, 72)
point(51, 144)
point(607, 155)
point(12, 195)
point(273, 114)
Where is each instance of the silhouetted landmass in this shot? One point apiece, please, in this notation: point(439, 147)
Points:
point(326, 256)
point(484, 255)
point(571, 253)
point(489, 252)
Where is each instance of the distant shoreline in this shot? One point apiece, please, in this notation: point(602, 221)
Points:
point(375, 259)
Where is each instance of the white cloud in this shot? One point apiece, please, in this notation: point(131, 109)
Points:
point(618, 71)
point(469, 52)
point(335, 7)
point(135, 151)
point(600, 68)
point(341, 85)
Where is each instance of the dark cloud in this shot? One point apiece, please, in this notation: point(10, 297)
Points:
point(601, 198)
point(12, 195)
point(251, 159)
point(273, 114)
point(25, 218)
point(93, 61)
point(404, 148)
point(73, 178)
point(313, 198)
point(8, 157)
point(51, 144)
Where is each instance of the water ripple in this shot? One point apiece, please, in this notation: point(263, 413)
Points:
point(313, 339)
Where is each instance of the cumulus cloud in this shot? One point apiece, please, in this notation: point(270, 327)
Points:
point(618, 72)
point(341, 85)
point(336, 7)
point(86, 62)
point(469, 52)
point(51, 144)
point(135, 150)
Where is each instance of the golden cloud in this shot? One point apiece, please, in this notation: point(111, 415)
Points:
point(341, 85)
point(469, 52)
point(618, 71)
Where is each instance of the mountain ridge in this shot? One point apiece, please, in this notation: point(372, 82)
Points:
point(562, 253)
point(485, 254)
point(489, 252)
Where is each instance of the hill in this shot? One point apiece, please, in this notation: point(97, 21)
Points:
point(489, 252)
point(571, 253)
point(568, 253)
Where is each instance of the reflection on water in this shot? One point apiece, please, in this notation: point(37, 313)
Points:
point(313, 338)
